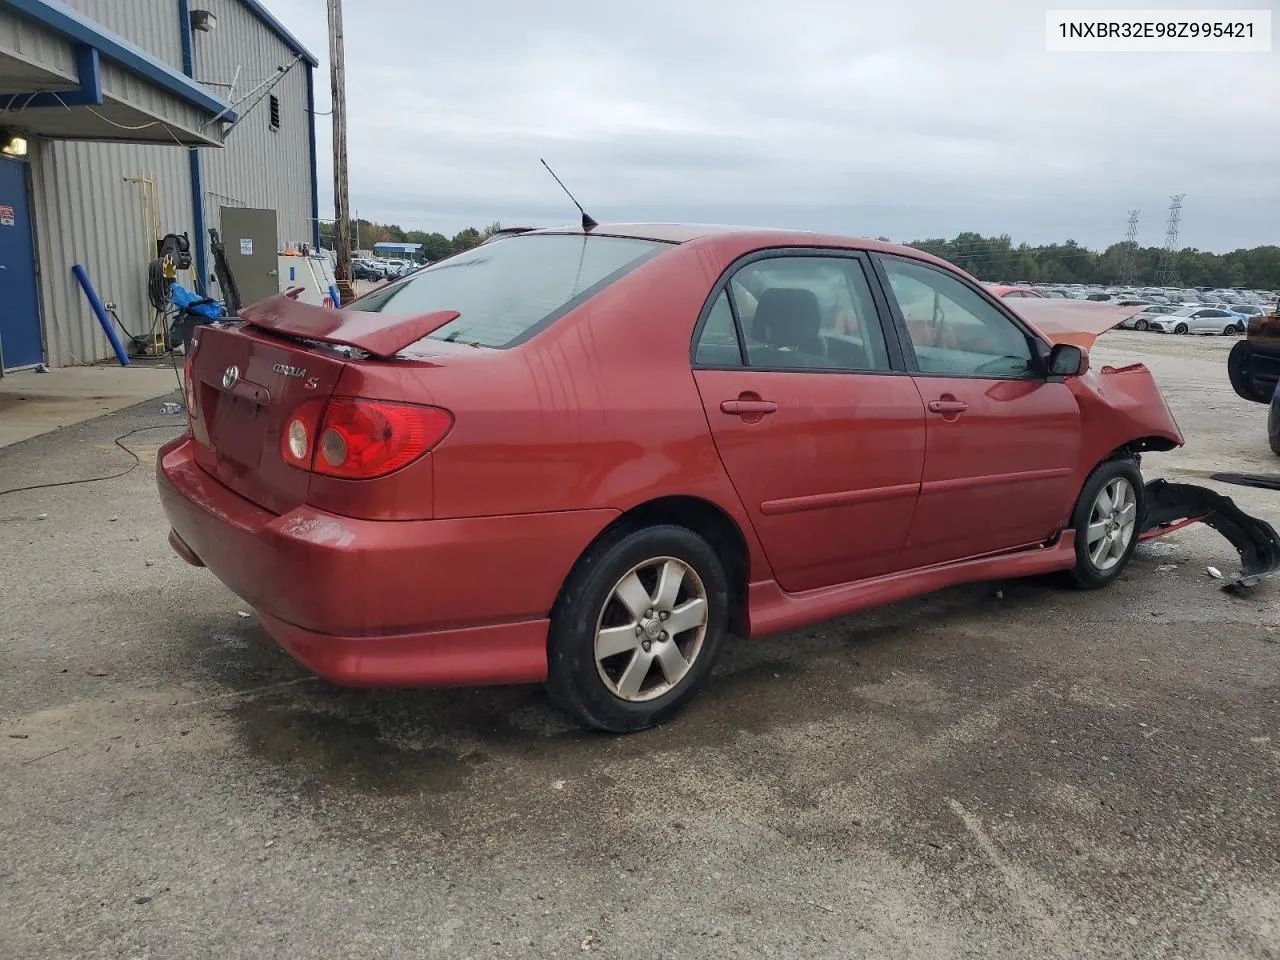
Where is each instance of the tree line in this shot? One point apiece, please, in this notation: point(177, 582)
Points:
point(435, 246)
point(987, 258)
point(996, 258)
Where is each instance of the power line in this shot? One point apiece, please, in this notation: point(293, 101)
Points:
point(1167, 272)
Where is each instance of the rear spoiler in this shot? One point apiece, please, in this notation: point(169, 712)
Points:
point(377, 334)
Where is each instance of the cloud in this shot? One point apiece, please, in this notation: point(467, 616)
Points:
point(920, 118)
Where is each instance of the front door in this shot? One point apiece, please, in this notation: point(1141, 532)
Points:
point(253, 251)
point(821, 437)
point(1002, 441)
point(20, 344)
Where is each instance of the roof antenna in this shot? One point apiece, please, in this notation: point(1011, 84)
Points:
point(588, 224)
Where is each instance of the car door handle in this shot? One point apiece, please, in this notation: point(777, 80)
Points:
point(748, 407)
point(947, 406)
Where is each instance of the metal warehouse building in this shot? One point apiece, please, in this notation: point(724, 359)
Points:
point(125, 120)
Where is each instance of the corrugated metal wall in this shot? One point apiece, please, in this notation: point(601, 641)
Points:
point(257, 166)
point(86, 213)
point(150, 24)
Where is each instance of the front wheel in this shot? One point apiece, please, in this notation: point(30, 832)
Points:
point(637, 628)
point(1140, 325)
point(1106, 522)
point(1182, 328)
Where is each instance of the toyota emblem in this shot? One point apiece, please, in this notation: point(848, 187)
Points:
point(230, 377)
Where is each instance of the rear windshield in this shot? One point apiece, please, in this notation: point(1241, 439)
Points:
point(508, 289)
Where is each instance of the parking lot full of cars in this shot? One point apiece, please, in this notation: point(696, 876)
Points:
point(1200, 310)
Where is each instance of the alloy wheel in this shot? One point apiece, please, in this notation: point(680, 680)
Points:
point(651, 629)
point(1113, 522)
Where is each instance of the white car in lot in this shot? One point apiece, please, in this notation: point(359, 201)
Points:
point(1142, 319)
point(1203, 320)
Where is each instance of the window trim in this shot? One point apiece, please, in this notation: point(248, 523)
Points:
point(1040, 348)
point(897, 365)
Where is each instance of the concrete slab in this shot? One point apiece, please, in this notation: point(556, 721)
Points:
point(34, 403)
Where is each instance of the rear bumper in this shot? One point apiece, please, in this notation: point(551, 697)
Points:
point(385, 603)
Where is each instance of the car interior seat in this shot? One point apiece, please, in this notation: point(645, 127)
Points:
point(790, 318)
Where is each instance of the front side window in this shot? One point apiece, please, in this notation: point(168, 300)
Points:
point(952, 328)
point(507, 291)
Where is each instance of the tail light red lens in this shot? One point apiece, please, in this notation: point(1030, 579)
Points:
point(361, 439)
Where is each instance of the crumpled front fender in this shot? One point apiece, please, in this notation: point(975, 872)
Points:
point(1171, 506)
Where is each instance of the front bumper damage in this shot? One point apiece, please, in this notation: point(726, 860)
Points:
point(1171, 506)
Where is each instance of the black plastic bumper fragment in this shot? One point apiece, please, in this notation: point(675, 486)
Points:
point(1263, 481)
point(1255, 540)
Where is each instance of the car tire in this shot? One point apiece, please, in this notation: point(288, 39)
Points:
point(1181, 328)
point(611, 664)
point(1100, 562)
point(1231, 330)
point(1140, 325)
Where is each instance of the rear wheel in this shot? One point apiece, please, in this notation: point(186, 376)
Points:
point(1231, 330)
point(1181, 328)
point(1140, 325)
point(637, 628)
point(1106, 522)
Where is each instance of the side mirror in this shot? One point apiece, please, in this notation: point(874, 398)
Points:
point(1067, 360)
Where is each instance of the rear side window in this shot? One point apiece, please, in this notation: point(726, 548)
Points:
point(508, 289)
point(795, 313)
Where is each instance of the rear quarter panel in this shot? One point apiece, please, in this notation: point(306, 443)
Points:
point(600, 410)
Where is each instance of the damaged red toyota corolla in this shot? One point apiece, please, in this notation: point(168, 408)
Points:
point(588, 458)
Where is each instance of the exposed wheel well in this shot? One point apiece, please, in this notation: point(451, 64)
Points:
point(1139, 445)
point(712, 524)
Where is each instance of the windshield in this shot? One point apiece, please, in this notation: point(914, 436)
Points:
point(508, 289)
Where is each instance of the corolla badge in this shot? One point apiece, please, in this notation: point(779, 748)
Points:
point(230, 377)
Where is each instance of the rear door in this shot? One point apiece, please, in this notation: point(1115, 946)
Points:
point(253, 251)
point(1002, 441)
point(819, 427)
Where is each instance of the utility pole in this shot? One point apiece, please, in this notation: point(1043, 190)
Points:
point(341, 213)
point(1129, 250)
point(1168, 273)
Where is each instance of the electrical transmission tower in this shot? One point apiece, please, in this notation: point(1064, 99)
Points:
point(1168, 271)
point(1129, 251)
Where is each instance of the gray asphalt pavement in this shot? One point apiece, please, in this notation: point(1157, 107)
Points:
point(1001, 770)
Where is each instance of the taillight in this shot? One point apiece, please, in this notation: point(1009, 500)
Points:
point(189, 392)
point(297, 440)
point(361, 439)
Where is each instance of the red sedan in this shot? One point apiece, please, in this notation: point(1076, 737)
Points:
point(1014, 293)
point(587, 458)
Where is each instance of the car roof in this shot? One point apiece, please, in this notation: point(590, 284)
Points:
point(753, 236)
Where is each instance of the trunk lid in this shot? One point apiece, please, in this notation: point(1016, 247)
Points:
point(247, 384)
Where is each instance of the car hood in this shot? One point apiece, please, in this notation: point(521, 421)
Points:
point(1070, 321)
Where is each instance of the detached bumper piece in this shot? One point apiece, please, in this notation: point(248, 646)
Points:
point(1255, 540)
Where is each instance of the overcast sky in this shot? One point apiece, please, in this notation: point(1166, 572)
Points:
point(910, 119)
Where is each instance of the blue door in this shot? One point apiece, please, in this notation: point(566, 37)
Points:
point(19, 306)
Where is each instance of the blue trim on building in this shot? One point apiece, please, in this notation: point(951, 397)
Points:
point(276, 27)
point(62, 19)
point(88, 72)
point(193, 158)
point(315, 176)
